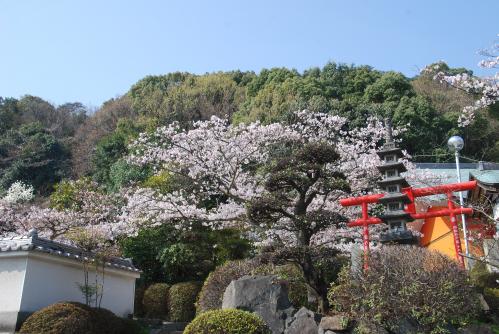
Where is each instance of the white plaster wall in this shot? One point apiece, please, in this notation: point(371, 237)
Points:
point(12, 271)
point(50, 279)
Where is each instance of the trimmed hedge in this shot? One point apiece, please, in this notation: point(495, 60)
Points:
point(155, 301)
point(72, 317)
point(59, 317)
point(211, 295)
point(109, 323)
point(182, 301)
point(227, 321)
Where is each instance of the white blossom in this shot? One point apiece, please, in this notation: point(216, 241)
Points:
point(19, 193)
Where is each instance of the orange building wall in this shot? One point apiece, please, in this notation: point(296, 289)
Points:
point(437, 235)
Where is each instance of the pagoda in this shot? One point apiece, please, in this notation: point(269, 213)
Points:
point(394, 199)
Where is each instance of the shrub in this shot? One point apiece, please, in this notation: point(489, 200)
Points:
point(227, 321)
point(482, 278)
point(211, 295)
point(138, 306)
point(109, 323)
point(155, 301)
point(57, 318)
point(406, 283)
point(182, 301)
point(71, 317)
point(491, 296)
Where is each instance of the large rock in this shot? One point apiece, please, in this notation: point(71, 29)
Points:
point(303, 322)
point(263, 295)
point(332, 324)
point(405, 326)
point(476, 329)
point(367, 327)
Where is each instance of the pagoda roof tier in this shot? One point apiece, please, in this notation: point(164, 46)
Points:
point(397, 215)
point(394, 180)
point(400, 237)
point(395, 197)
point(398, 165)
point(390, 151)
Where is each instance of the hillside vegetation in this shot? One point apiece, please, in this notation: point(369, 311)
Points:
point(42, 144)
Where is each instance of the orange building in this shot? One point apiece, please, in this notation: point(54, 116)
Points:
point(437, 235)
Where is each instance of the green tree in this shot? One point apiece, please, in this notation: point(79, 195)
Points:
point(32, 155)
point(8, 113)
point(185, 97)
point(389, 89)
point(166, 254)
point(110, 149)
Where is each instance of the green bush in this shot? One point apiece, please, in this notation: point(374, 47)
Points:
point(72, 317)
point(406, 283)
point(57, 318)
point(182, 301)
point(482, 278)
point(491, 296)
point(155, 301)
point(211, 295)
point(227, 321)
point(109, 323)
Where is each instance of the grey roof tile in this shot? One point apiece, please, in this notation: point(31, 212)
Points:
point(32, 242)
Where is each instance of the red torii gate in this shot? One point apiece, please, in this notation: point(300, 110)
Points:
point(412, 193)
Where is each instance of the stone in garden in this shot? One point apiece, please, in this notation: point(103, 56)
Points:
point(312, 297)
point(303, 322)
point(266, 296)
point(368, 327)
point(476, 329)
point(337, 322)
point(405, 326)
point(483, 304)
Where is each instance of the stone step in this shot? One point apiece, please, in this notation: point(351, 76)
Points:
point(169, 328)
point(162, 331)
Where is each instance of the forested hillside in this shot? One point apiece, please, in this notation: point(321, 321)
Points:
point(42, 144)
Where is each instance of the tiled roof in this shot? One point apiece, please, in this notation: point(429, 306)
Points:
point(32, 242)
point(486, 173)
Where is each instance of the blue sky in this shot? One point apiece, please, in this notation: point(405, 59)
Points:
point(93, 50)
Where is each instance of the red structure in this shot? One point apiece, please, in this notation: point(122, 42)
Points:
point(410, 208)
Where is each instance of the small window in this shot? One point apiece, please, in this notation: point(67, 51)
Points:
point(394, 206)
point(390, 158)
point(391, 173)
point(396, 226)
point(392, 189)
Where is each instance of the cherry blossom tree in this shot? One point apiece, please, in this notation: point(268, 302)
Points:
point(222, 163)
point(485, 88)
point(17, 194)
point(279, 182)
point(93, 210)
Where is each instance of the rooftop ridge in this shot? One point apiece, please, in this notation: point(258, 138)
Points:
point(32, 242)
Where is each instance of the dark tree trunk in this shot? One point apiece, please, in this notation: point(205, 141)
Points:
point(312, 275)
point(316, 281)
